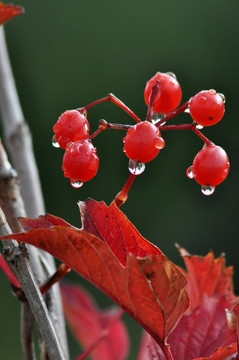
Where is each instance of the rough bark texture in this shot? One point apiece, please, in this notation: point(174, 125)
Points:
point(31, 272)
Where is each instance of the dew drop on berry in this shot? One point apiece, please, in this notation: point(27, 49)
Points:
point(159, 143)
point(76, 184)
point(136, 167)
point(199, 127)
point(189, 172)
point(187, 110)
point(171, 74)
point(223, 97)
point(202, 99)
point(212, 92)
point(55, 142)
point(207, 190)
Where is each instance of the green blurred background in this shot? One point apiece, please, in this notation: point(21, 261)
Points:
point(66, 54)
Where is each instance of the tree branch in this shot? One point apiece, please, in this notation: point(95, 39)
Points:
point(18, 258)
point(19, 143)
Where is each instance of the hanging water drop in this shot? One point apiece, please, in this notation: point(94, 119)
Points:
point(223, 97)
point(171, 74)
point(159, 143)
point(189, 172)
point(55, 142)
point(207, 190)
point(212, 92)
point(76, 184)
point(155, 117)
point(199, 127)
point(136, 167)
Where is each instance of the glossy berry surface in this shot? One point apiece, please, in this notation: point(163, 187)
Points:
point(80, 161)
point(169, 95)
point(207, 107)
point(71, 126)
point(143, 142)
point(210, 166)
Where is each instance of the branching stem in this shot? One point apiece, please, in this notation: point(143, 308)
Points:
point(169, 116)
point(103, 125)
point(112, 98)
point(191, 127)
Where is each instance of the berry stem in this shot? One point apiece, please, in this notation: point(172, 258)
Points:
point(170, 115)
point(201, 136)
point(112, 98)
point(187, 127)
point(103, 124)
point(152, 97)
point(122, 196)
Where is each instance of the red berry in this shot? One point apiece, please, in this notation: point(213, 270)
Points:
point(210, 166)
point(80, 162)
point(71, 126)
point(169, 95)
point(207, 107)
point(143, 142)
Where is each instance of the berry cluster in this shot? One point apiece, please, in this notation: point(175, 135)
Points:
point(143, 141)
point(80, 161)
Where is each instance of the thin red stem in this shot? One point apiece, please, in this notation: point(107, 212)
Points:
point(8, 272)
point(103, 125)
point(104, 334)
point(169, 116)
point(61, 271)
point(152, 97)
point(201, 136)
point(122, 196)
point(112, 98)
point(191, 127)
point(176, 127)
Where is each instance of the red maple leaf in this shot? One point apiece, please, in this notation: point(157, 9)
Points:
point(110, 252)
point(203, 331)
point(92, 327)
point(7, 12)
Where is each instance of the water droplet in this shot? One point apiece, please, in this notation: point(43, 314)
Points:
point(207, 189)
point(189, 172)
point(155, 117)
point(199, 127)
point(136, 167)
point(55, 142)
point(76, 184)
point(159, 143)
point(212, 92)
point(223, 97)
point(171, 74)
point(202, 99)
point(187, 110)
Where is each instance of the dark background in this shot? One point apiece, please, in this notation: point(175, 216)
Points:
point(66, 54)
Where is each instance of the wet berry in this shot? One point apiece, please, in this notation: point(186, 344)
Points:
point(210, 166)
point(71, 126)
point(169, 95)
point(80, 161)
point(143, 142)
point(207, 107)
